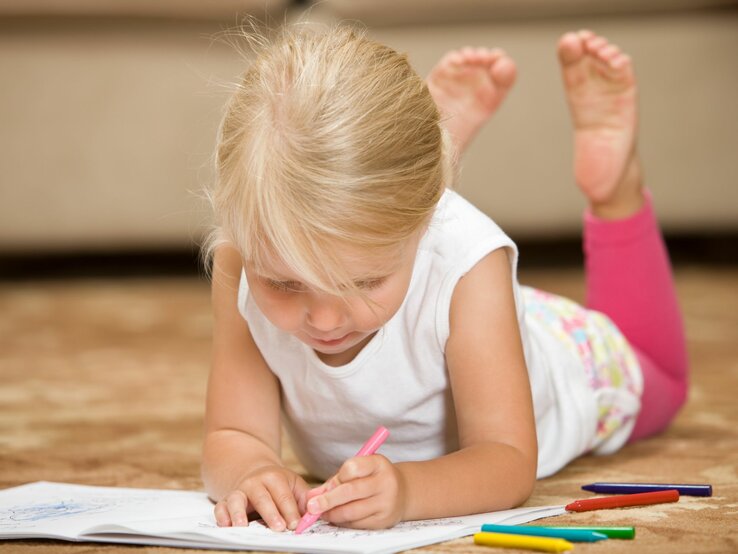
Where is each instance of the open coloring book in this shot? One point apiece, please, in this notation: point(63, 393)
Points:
point(185, 519)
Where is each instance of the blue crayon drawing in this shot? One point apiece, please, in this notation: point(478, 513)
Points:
point(60, 508)
point(51, 510)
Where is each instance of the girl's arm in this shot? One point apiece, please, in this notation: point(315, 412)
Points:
point(495, 466)
point(241, 466)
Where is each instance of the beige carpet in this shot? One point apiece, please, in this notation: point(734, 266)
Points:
point(103, 382)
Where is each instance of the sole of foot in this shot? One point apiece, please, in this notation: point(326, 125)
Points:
point(468, 86)
point(601, 91)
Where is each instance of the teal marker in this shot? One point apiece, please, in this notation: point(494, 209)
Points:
point(610, 532)
point(573, 535)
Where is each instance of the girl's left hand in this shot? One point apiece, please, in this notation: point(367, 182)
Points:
point(368, 492)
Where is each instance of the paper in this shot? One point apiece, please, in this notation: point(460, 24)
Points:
point(185, 519)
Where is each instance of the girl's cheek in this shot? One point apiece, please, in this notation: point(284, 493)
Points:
point(285, 312)
point(366, 319)
point(287, 315)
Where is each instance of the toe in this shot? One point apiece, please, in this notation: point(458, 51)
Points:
point(608, 52)
point(594, 43)
point(468, 53)
point(570, 48)
point(620, 61)
point(446, 66)
point(585, 34)
point(482, 54)
point(454, 59)
point(495, 54)
point(503, 72)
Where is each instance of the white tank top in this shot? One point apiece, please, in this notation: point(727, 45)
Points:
point(400, 379)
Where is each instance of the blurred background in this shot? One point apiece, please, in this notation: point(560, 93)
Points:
point(109, 113)
point(108, 118)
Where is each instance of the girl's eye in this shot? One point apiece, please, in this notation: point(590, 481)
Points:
point(370, 284)
point(285, 286)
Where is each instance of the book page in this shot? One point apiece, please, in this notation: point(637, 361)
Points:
point(184, 518)
point(323, 537)
point(60, 510)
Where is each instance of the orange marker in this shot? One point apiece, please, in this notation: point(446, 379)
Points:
point(622, 501)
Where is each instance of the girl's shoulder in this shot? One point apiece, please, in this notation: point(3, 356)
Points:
point(460, 231)
point(458, 238)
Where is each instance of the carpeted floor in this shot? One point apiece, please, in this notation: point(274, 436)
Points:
point(102, 382)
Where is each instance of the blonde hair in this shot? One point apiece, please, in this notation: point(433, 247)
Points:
point(331, 140)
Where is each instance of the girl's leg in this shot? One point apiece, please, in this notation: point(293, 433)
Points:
point(629, 279)
point(628, 272)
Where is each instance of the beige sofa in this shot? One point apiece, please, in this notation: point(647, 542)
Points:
point(109, 110)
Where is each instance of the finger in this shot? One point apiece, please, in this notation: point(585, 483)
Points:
point(355, 514)
point(301, 492)
point(222, 517)
point(284, 501)
point(317, 491)
point(351, 491)
point(312, 493)
point(356, 468)
point(235, 504)
point(263, 503)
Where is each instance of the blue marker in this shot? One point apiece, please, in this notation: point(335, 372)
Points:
point(573, 535)
point(633, 488)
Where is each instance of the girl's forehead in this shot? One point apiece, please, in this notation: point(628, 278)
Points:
point(358, 263)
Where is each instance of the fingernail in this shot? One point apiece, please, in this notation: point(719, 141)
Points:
point(241, 521)
point(313, 506)
point(278, 525)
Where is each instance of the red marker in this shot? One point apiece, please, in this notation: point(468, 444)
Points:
point(622, 501)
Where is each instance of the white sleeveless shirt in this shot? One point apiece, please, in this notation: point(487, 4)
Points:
point(400, 379)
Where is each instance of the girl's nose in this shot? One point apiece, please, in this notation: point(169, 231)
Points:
point(326, 312)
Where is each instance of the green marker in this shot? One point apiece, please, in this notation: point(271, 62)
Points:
point(566, 533)
point(610, 532)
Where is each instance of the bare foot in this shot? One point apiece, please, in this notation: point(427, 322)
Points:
point(468, 86)
point(601, 91)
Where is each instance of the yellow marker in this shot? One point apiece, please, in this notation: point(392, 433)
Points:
point(523, 541)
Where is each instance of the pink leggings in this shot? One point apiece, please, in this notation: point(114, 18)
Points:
point(629, 278)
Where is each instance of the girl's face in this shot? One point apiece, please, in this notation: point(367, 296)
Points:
point(336, 327)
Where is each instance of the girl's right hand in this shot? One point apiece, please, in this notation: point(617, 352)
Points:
point(276, 493)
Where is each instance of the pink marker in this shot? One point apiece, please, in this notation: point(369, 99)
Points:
point(369, 448)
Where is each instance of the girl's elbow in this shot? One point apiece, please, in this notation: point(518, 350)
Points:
point(527, 485)
point(526, 479)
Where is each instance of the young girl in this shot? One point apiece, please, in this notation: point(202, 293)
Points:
point(352, 289)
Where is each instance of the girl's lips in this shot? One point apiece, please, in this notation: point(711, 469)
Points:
point(333, 342)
